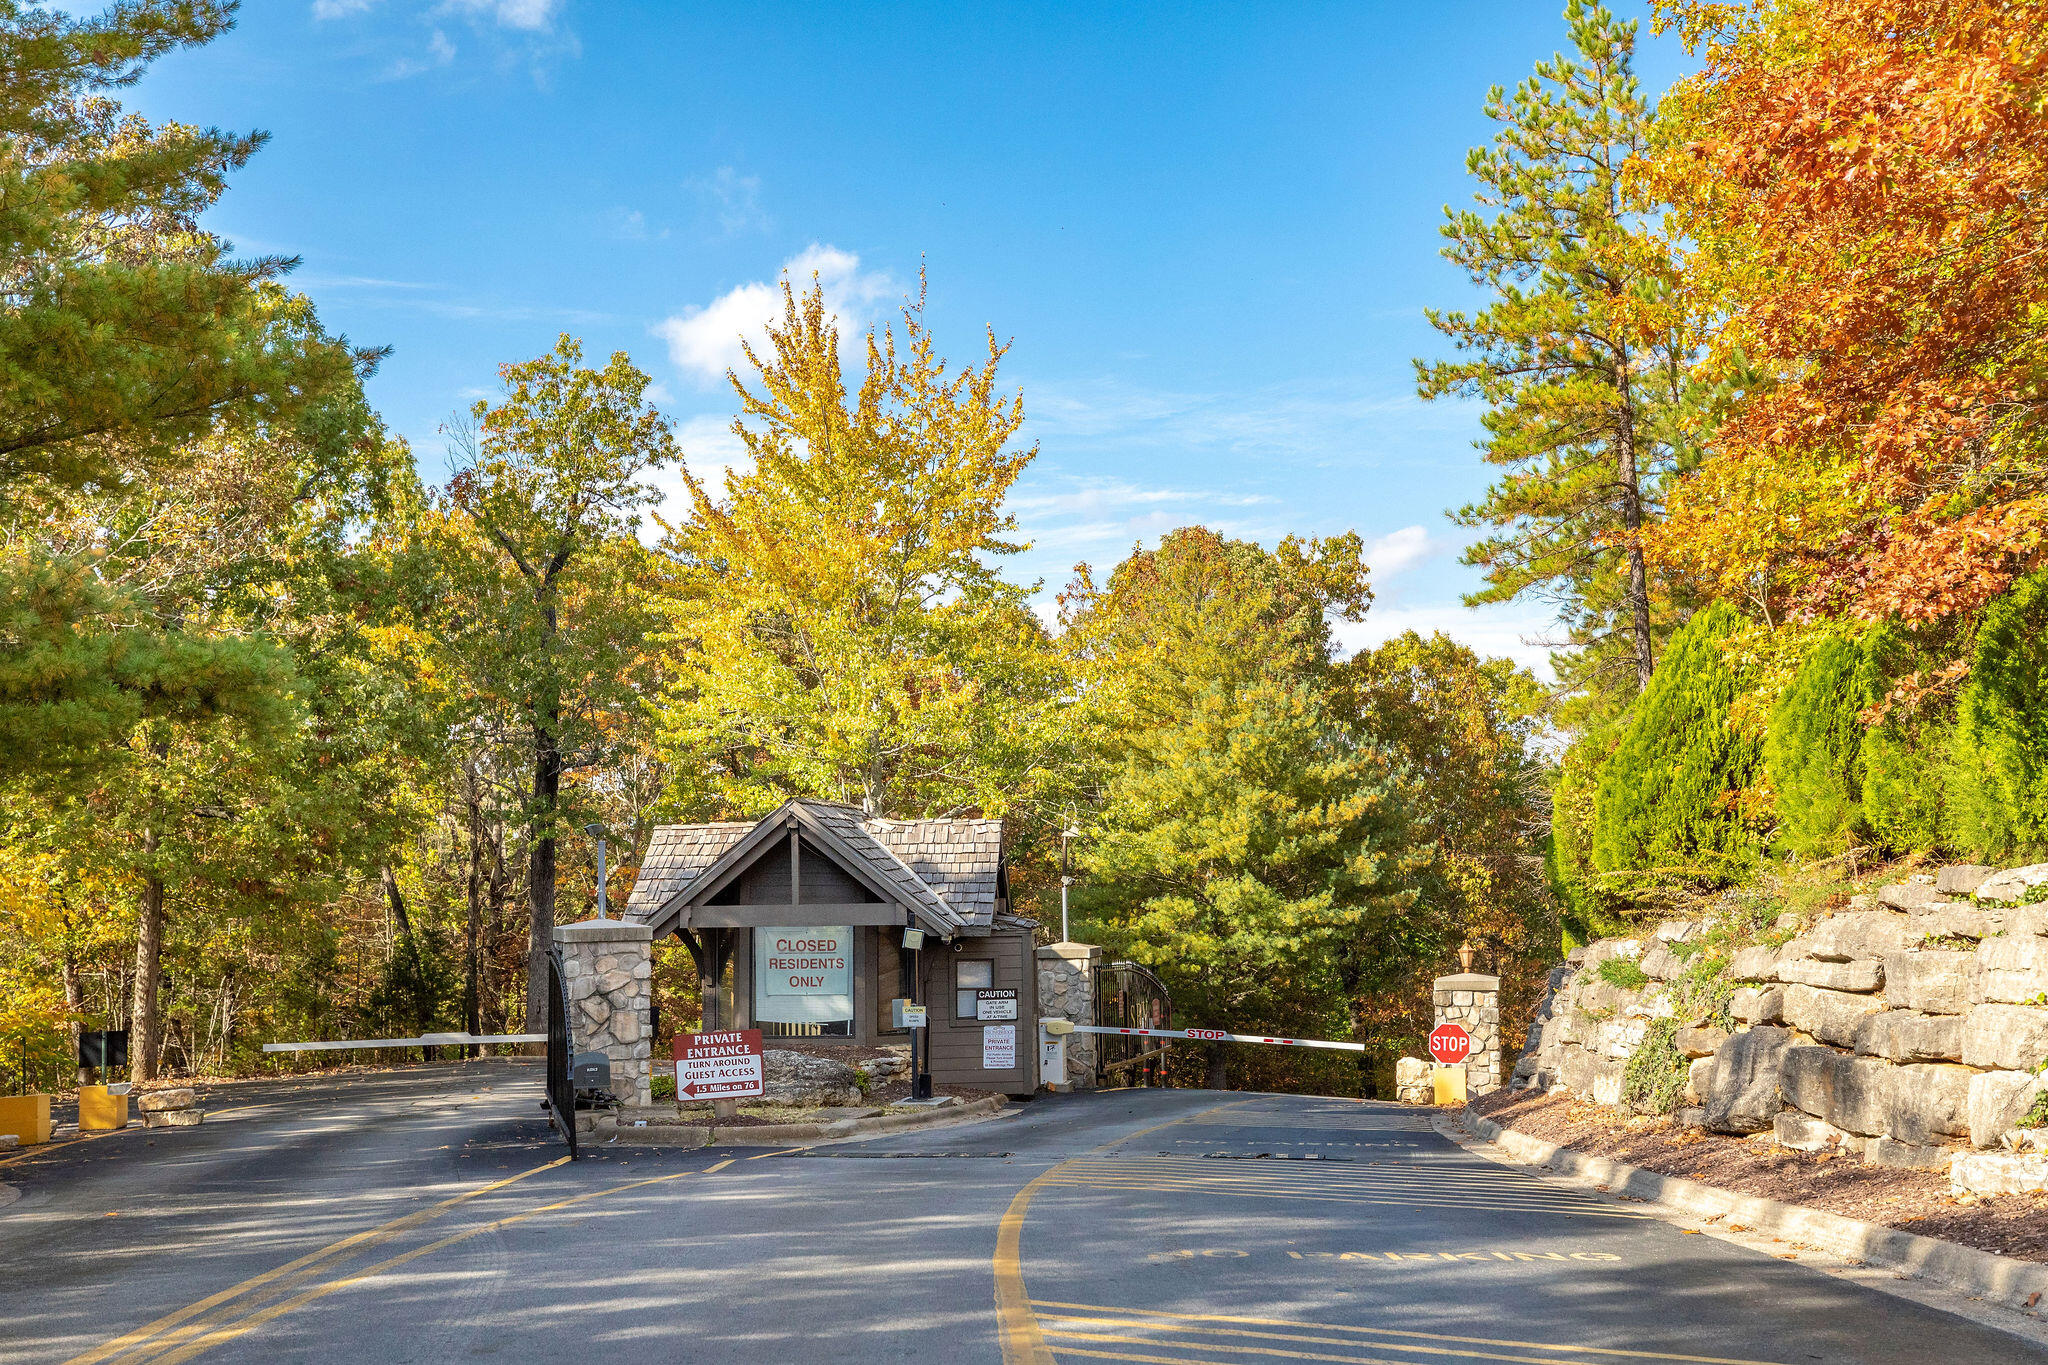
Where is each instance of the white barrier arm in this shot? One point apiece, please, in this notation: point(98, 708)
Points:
point(425, 1040)
point(1215, 1035)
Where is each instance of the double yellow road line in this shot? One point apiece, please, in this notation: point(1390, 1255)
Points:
point(243, 1307)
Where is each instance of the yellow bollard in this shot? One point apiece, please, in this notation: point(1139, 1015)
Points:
point(26, 1117)
point(99, 1111)
point(1448, 1083)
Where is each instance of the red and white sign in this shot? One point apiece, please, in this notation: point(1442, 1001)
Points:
point(725, 1066)
point(1449, 1044)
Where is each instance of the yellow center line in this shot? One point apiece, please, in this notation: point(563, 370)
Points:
point(229, 1331)
point(1354, 1359)
point(784, 1152)
point(129, 1340)
point(1463, 1353)
point(713, 1170)
point(1170, 1318)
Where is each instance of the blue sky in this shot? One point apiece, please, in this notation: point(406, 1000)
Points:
point(1210, 230)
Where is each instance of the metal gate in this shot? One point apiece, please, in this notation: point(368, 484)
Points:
point(561, 1090)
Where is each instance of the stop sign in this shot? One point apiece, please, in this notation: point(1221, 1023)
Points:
point(1449, 1044)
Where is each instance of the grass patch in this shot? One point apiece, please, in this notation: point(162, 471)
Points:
point(1625, 973)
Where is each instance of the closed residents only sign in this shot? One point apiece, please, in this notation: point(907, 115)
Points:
point(803, 974)
point(725, 1065)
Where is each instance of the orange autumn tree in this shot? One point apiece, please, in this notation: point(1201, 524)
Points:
point(1863, 182)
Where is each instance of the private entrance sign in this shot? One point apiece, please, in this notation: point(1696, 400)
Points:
point(1449, 1044)
point(722, 1066)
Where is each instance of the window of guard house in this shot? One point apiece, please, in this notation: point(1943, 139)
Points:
point(803, 980)
point(969, 976)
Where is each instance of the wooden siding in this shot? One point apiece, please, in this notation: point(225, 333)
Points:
point(956, 1043)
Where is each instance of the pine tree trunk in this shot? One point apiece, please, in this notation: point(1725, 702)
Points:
point(149, 947)
point(1630, 480)
point(540, 871)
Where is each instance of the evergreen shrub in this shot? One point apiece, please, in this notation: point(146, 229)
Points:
point(1813, 750)
point(1998, 775)
point(1669, 800)
point(1904, 756)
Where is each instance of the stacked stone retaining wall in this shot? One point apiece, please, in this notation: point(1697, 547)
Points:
point(1908, 1028)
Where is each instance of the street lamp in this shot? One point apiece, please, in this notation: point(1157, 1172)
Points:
point(597, 832)
point(1067, 835)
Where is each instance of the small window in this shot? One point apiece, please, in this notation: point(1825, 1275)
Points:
point(970, 975)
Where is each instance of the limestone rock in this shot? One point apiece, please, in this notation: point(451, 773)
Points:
point(1862, 975)
point(1660, 963)
point(1954, 921)
point(1677, 931)
point(166, 1101)
point(1805, 1133)
point(1758, 1005)
point(1831, 1016)
point(172, 1118)
point(1998, 1173)
point(2010, 968)
point(1934, 981)
point(1961, 879)
point(1907, 1156)
point(1754, 964)
point(2013, 883)
point(1927, 1101)
point(2028, 919)
point(1909, 1036)
point(2005, 1037)
point(1868, 933)
point(1699, 1042)
point(799, 1078)
point(1741, 1094)
point(1906, 895)
point(1998, 1100)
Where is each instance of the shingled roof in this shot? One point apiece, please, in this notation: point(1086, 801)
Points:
point(947, 869)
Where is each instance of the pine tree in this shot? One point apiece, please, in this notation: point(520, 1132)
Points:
point(1581, 356)
point(1813, 749)
point(1668, 803)
point(1998, 780)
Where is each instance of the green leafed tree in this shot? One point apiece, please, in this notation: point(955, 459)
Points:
point(1813, 749)
point(1580, 355)
point(1668, 806)
point(1998, 776)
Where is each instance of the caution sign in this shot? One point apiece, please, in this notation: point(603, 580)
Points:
point(723, 1066)
point(995, 1004)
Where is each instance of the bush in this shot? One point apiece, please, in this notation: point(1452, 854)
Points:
point(1998, 779)
point(1653, 1080)
point(1625, 973)
point(1903, 757)
point(1669, 801)
point(1813, 750)
point(662, 1088)
point(1585, 911)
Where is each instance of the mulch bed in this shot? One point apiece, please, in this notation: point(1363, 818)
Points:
point(2013, 1225)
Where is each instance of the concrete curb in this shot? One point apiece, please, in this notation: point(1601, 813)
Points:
point(2019, 1285)
point(699, 1135)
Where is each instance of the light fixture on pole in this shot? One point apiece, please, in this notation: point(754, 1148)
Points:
point(1067, 835)
point(597, 832)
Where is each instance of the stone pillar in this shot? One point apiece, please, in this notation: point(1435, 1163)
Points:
point(1472, 1002)
point(1066, 990)
point(608, 969)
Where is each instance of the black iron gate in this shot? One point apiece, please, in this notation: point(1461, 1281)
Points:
point(561, 1097)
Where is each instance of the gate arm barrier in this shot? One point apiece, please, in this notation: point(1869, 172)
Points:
point(1215, 1035)
point(424, 1040)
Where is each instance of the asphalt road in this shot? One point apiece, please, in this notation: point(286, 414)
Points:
point(415, 1216)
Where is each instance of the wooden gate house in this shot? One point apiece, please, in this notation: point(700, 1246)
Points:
point(818, 896)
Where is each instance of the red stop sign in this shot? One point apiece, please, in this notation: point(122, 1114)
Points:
point(1449, 1044)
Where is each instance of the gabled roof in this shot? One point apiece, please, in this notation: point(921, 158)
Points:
point(945, 872)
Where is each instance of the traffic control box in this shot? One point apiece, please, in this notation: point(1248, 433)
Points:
point(1448, 1083)
point(26, 1117)
point(101, 1110)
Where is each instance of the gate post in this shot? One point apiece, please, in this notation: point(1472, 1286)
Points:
point(609, 969)
point(1066, 990)
point(1472, 1002)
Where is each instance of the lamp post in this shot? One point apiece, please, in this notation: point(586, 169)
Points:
point(1067, 835)
point(597, 832)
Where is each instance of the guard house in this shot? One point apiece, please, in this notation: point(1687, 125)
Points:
point(812, 903)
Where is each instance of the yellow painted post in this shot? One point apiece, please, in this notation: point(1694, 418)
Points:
point(1448, 1083)
point(99, 1111)
point(26, 1117)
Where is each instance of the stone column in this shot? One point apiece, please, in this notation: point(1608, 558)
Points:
point(608, 969)
point(1472, 1002)
point(1066, 990)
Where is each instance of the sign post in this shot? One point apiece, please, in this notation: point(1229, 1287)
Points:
point(719, 1066)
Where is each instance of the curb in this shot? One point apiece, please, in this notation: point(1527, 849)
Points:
point(699, 1135)
point(2018, 1285)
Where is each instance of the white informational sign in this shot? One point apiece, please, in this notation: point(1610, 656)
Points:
point(999, 1047)
point(803, 974)
point(719, 1065)
point(992, 1004)
point(913, 1016)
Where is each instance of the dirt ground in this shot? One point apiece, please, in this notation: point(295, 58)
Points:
point(2013, 1225)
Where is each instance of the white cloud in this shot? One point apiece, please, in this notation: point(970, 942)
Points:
point(630, 225)
point(705, 341)
point(1389, 554)
point(340, 9)
point(531, 16)
point(732, 198)
point(1510, 630)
